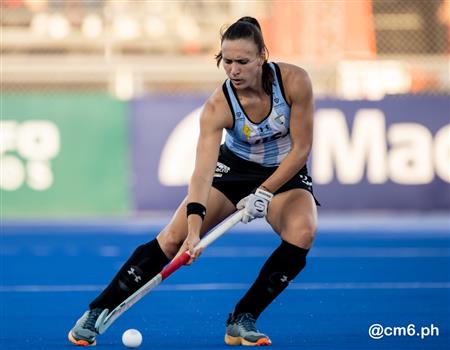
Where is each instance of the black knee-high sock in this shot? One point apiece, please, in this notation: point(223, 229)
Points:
point(146, 261)
point(281, 267)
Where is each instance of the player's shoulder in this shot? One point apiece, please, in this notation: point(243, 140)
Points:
point(294, 74)
point(216, 107)
point(217, 99)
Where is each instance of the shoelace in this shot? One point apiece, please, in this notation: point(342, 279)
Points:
point(247, 321)
point(89, 323)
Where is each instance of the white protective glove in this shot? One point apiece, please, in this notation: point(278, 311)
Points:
point(255, 204)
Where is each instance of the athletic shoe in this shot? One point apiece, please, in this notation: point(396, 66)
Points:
point(84, 331)
point(241, 330)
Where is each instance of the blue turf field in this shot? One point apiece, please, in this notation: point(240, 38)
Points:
point(354, 278)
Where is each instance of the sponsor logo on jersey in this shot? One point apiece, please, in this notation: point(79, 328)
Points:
point(273, 137)
point(280, 119)
point(305, 180)
point(222, 168)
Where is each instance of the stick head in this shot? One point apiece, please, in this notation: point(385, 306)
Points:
point(100, 325)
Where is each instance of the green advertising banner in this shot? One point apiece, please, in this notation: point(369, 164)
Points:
point(63, 155)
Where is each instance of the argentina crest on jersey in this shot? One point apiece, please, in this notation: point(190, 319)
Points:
point(254, 132)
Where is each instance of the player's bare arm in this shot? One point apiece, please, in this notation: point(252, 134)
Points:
point(299, 95)
point(214, 118)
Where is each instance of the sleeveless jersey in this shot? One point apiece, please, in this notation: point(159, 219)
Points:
point(267, 142)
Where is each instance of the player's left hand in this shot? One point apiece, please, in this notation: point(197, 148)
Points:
point(191, 242)
point(255, 205)
point(188, 245)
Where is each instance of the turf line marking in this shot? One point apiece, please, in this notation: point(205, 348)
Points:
point(255, 252)
point(231, 286)
point(331, 252)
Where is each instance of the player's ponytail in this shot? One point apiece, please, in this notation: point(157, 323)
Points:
point(249, 28)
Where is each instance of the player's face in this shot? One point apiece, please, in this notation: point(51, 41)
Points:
point(242, 62)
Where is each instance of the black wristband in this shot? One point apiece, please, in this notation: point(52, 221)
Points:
point(196, 208)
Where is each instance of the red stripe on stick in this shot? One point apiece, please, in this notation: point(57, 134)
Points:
point(175, 265)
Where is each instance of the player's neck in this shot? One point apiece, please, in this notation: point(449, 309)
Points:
point(254, 90)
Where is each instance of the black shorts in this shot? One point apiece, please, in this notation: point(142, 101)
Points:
point(236, 178)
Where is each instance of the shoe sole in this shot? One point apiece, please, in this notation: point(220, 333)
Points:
point(79, 342)
point(229, 340)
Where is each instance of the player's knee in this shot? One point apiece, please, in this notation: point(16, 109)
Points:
point(308, 234)
point(170, 241)
point(300, 233)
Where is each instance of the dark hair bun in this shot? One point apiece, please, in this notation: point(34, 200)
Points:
point(251, 20)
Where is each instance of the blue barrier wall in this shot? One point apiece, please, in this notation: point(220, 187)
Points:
point(388, 154)
point(405, 164)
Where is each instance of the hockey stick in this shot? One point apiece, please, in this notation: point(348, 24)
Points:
point(106, 319)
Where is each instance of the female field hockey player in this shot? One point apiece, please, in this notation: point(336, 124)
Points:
point(267, 110)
